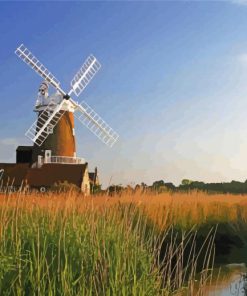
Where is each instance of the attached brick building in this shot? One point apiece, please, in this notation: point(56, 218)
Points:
point(45, 174)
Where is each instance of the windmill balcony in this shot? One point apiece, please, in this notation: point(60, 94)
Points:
point(57, 160)
point(64, 160)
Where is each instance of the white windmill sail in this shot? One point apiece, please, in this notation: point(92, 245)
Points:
point(84, 75)
point(47, 120)
point(26, 56)
point(87, 116)
point(1, 173)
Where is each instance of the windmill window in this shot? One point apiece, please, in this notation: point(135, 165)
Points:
point(49, 129)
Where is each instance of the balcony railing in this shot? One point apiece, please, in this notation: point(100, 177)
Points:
point(64, 160)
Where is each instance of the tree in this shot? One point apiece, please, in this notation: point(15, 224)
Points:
point(170, 186)
point(96, 189)
point(186, 182)
point(115, 189)
point(159, 186)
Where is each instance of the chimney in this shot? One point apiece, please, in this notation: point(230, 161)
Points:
point(95, 175)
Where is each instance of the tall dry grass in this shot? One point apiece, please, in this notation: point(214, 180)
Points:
point(67, 244)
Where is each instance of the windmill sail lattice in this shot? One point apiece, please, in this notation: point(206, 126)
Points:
point(84, 75)
point(87, 116)
point(39, 130)
point(25, 54)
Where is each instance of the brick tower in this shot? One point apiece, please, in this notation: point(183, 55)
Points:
point(60, 141)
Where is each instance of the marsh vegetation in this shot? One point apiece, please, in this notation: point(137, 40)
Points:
point(136, 244)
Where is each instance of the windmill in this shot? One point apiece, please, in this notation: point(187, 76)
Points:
point(53, 132)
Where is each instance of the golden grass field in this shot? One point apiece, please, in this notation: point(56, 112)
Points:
point(164, 209)
point(67, 244)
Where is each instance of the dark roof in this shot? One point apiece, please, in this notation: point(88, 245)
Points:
point(14, 174)
point(47, 175)
point(24, 148)
point(50, 173)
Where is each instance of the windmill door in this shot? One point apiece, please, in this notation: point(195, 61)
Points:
point(47, 156)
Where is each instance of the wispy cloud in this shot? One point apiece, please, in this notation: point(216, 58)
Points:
point(242, 58)
point(9, 141)
point(239, 2)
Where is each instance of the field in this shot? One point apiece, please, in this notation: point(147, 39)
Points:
point(134, 244)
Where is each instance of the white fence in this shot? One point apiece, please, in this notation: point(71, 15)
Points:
point(64, 160)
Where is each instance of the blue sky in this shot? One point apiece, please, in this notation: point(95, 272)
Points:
point(172, 83)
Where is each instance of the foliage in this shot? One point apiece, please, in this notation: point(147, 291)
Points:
point(186, 182)
point(96, 189)
point(64, 186)
point(170, 186)
point(158, 184)
point(226, 187)
point(161, 186)
point(115, 189)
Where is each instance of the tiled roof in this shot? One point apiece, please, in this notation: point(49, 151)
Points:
point(47, 175)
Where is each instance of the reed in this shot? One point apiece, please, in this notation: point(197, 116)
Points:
point(67, 244)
